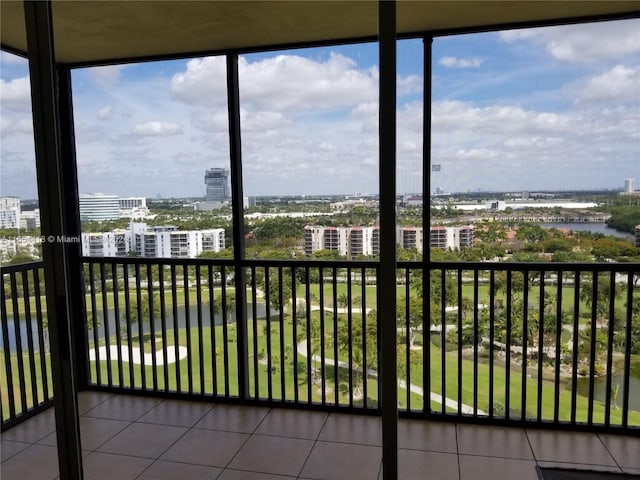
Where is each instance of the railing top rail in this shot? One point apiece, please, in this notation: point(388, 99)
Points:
point(157, 261)
point(631, 267)
point(21, 267)
point(529, 266)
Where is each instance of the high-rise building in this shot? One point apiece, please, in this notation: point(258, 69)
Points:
point(216, 181)
point(98, 207)
point(628, 185)
point(9, 212)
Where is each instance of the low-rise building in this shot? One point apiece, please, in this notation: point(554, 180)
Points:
point(155, 242)
point(352, 242)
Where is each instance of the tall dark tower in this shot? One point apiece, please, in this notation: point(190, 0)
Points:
point(216, 181)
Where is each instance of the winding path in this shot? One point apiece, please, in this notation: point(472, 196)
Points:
point(450, 403)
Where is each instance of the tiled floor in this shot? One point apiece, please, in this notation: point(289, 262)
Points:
point(127, 437)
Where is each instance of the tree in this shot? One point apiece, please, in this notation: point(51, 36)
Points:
point(354, 339)
point(602, 295)
point(414, 317)
point(491, 232)
point(143, 313)
point(531, 232)
point(343, 300)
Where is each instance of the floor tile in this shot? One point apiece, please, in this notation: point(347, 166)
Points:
point(37, 462)
point(123, 407)
point(89, 400)
point(412, 464)
point(424, 435)
point(493, 442)
point(493, 468)
point(569, 447)
point(143, 440)
point(624, 449)
point(105, 466)
point(259, 453)
point(163, 470)
point(339, 461)
point(229, 474)
point(364, 430)
point(206, 447)
point(8, 448)
point(93, 432)
point(34, 429)
point(179, 413)
point(233, 418)
point(292, 423)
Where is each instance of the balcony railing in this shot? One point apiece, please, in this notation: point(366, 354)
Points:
point(25, 364)
point(511, 343)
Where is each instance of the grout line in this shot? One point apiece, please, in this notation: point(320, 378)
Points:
point(315, 442)
point(609, 452)
point(249, 436)
point(533, 452)
point(458, 453)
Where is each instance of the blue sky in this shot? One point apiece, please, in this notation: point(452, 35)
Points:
point(520, 110)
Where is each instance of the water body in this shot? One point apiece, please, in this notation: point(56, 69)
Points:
point(146, 327)
point(600, 387)
point(589, 227)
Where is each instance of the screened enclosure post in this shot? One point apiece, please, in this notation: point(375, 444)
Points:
point(71, 210)
point(426, 209)
point(387, 280)
point(55, 252)
point(237, 206)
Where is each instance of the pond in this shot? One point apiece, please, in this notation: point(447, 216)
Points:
point(193, 320)
point(600, 386)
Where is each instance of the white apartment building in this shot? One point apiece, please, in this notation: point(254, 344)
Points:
point(365, 241)
point(410, 237)
point(452, 238)
point(155, 242)
point(350, 241)
point(10, 212)
point(116, 243)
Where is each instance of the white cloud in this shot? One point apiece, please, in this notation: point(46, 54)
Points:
point(620, 83)
point(13, 126)
point(409, 84)
point(507, 147)
point(284, 82)
point(105, 112)
point(157, 129)
point(106, 77)
point(583, 42)
point(454, 62)
point(15, 94)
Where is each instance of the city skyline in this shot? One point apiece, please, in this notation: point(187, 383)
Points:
point(536, 109)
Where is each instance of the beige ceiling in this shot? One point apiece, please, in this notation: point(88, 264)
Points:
point(104, 30)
